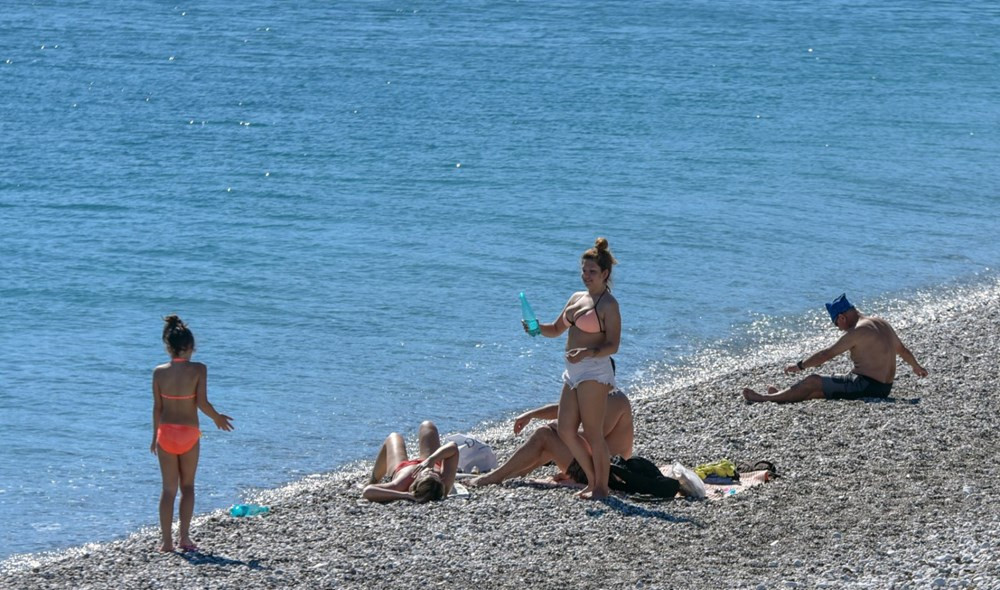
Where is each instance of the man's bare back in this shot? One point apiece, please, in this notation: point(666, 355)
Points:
point(874, 349)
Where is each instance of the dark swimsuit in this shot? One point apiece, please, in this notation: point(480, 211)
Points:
point(854, 386)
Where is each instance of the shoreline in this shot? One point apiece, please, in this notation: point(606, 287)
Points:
point(872, 493)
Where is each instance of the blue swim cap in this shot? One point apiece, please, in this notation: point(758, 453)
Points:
point(839, 306)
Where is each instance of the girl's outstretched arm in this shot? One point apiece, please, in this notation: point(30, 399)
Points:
point(222, 421)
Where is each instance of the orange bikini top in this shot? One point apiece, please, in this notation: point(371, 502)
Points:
point(165, 396)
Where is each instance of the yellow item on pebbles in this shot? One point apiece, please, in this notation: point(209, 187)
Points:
point(722, 467)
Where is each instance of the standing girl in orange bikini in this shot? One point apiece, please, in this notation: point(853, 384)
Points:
point(179, 391)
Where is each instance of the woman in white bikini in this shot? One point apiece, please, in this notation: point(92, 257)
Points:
point(594, 323)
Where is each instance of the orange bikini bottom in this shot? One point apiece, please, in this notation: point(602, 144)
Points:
point(177, 439)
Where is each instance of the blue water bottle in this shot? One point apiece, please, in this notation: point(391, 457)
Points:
point(248, 510)
point(529, 317)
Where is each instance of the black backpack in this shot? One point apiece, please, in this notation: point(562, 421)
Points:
point(641, 476)
point(633, 476)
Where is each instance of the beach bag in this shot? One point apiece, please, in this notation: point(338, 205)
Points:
point(691, 484)
point(474, 456)
point(640, 476)
point(632, 476)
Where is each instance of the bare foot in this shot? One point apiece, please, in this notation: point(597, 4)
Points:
point(752, 396)
point(561, 477)
point(595, 494)
point(167, 548)
point(585, 493)
point(600, 494)
point(187, 544)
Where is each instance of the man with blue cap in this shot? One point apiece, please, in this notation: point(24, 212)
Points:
point(873, 345)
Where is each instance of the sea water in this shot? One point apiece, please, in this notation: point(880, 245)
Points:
point(345, 199)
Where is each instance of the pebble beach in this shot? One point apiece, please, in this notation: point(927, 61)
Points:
point(898, 493)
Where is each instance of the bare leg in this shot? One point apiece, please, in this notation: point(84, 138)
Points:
point(429, 439)
point(566, 424)
point(542, 446)
point(809, 388)
point(545, 445)
point(188, 467)
point(170, 470)
point(556, 450)
point(392, 453)
point(593, 398)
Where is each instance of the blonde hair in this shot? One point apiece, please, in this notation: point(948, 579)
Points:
point(428, 486)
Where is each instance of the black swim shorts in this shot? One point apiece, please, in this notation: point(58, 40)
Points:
point(853, 386)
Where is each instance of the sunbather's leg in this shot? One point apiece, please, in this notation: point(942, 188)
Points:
point(809, 388)
point(429, 439)
point(543, 446)
point(393, 452)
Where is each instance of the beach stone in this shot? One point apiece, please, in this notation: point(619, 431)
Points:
point(896, 514)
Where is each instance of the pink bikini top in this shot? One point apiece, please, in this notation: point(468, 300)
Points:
point(588, 321)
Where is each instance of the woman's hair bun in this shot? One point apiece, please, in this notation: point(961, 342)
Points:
point(601, 243)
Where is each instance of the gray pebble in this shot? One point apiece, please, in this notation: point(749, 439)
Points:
point(898, 491)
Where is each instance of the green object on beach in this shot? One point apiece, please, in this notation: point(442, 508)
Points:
point(528, 315)
point(240, 510)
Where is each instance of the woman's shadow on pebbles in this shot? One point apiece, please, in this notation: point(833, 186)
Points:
point(202, 558)
point(616, 503)
point(629, 509)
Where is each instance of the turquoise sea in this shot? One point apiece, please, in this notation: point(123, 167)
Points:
point(344, 200)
